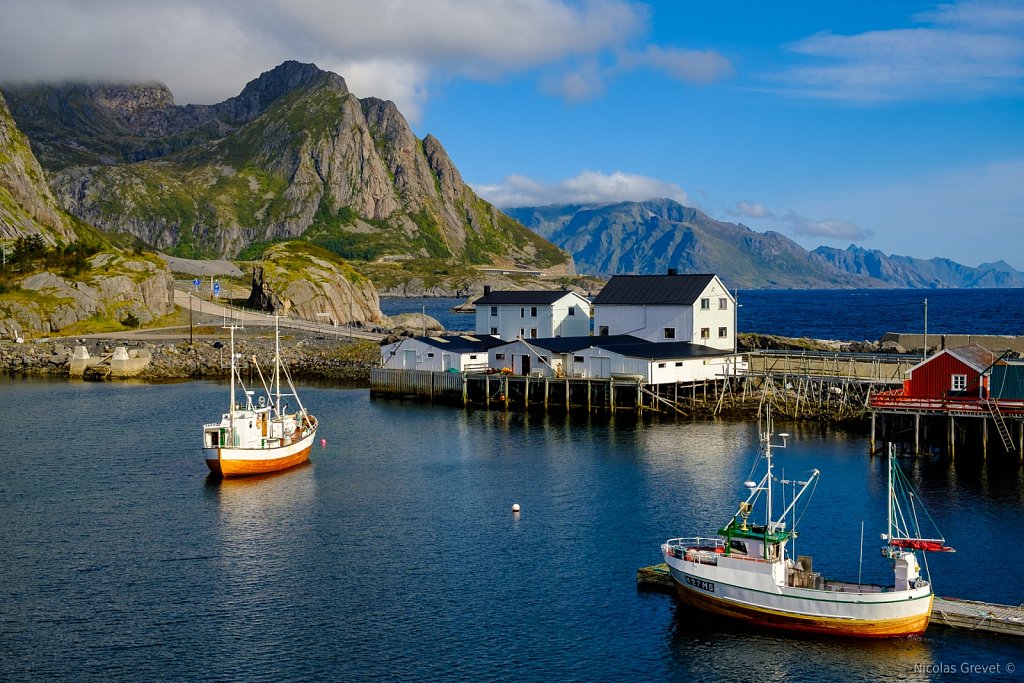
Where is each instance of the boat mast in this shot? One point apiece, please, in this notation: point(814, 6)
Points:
point(277, 364)
point(889, 528)
point(231, 405)
point(770, 523)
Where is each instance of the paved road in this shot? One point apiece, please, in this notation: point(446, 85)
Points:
point(247, 317)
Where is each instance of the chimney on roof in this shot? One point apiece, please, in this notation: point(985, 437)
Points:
point(673, 271)
point(487, 290)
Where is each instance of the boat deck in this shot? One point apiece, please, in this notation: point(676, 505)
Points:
point(971, 615)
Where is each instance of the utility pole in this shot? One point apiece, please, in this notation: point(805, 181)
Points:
point(926, 328)
point(190, 319)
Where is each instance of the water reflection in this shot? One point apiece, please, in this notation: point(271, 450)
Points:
point(705, 648)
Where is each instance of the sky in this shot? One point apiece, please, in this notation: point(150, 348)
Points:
point(896, 126)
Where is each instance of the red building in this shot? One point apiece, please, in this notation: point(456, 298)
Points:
point(960, 373)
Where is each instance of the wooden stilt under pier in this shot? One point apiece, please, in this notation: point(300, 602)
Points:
point(970, 615)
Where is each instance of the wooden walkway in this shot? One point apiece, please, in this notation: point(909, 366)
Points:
point(969, 615)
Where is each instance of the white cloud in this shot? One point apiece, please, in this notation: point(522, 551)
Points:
point(965, 49)
point(828, 228)
point(589, 187)
point(692, 66)
point(750, 209)
point(205, 50)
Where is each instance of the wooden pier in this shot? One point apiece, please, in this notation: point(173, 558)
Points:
point(969, 615)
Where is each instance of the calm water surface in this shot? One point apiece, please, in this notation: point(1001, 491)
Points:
point(846, 314)
point(394, 553)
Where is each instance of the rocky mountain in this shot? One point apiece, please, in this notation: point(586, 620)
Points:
point(653, 236)
point(650, 237)
point(295, 154)
point(27, 207)
point(57, 271)
point(907, 272)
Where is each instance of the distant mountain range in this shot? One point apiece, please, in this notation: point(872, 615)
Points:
point(653, 236)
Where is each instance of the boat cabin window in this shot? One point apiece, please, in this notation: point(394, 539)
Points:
point(738, 546)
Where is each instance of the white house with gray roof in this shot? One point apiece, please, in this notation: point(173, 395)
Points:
point(442, 353)
point(668, 308)
point(532, 314)
point(609, 357)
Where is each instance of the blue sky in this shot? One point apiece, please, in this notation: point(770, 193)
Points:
point(896, 126)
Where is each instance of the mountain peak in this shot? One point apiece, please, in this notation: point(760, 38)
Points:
point(269, 86)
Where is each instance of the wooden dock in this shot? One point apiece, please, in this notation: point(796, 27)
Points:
point(969, 615)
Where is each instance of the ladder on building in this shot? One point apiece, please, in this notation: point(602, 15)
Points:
point(1004, 431)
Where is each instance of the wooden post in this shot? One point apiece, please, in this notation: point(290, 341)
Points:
point(546, 394)
point(507, 378)
point(526, 394)
point(916, 434)
point(952, 438)
point(588, 396)
point(871, 444)
point(984, 438)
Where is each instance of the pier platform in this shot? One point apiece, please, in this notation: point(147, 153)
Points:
point(969, 615)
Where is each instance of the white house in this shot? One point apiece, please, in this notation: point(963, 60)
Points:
point(532, 314)
point(658, 363)
point(457, 352)
point(668, 308)
point(547, 357)
point(615, 356)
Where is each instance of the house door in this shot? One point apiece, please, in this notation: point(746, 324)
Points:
point(526, 365)
point(446, 361)
point(604, 367)
point(409, 360)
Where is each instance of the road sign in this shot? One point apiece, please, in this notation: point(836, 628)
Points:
point(216, 288)
point(195, 283)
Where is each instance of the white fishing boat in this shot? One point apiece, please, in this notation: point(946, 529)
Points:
point(745, 572)
point(261, 436)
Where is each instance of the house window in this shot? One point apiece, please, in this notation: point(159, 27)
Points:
point(661, 365)
point(723, 332)
point(533, 311)
point(430, 355)
point(494, 310)
point(572, 310)
point(499, 356)
point(705, 304)
point(472, 356)
point(723, 304)
point(522, 332)
point(959, 383)
point(577, 359)
point(542, 359)
point(679, 363)
point(522, 312)
point(533, 333)
point(670, 333)
point(494, 330)
point(705, 333)
point(602, 331)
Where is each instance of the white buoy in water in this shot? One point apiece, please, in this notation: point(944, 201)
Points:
point(515, 507)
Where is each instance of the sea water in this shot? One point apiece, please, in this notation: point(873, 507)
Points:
point(843, 314)
point(395, 555)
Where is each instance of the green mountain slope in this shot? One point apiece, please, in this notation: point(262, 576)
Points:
point(294, 155)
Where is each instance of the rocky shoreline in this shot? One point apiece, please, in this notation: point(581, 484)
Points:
point(308, 357)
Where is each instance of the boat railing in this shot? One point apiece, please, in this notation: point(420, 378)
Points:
point(695, 542)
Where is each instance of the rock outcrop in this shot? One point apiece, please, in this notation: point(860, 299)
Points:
point(296, 279)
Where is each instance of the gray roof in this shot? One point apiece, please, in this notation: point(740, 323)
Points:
point(977, 357)
point(529, 297)
point(653, 290)
point(462, 343)
point(662, 350)
point(570, 344)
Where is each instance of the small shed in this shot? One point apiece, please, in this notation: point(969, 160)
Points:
point(960, 372)
point(1007, 381)
point(442, 353)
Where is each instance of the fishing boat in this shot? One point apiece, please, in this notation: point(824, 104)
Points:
point(263, 435)
point(745, 572)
